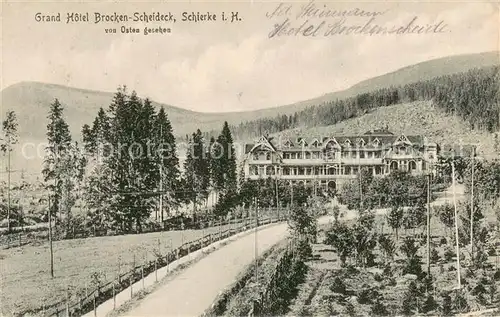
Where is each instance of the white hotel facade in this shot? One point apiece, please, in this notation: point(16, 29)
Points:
point(330, 161)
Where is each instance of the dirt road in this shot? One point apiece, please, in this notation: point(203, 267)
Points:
point(194, 290)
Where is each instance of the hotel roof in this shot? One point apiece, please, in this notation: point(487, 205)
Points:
point(370, 139)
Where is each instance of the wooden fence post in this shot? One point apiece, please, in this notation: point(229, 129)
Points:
point(20, 236)
point(156, 270)
point(114, 296)
point(119, 269)
point(142, 275)
point(168, 257)
point(95, 306)
point(130, 282)
point(67, 303)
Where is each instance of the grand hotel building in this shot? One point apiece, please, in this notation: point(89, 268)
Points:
point(330, 161)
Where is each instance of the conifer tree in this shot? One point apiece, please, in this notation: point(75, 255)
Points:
point(196, 171)
point(72, 171)
point(9, 139)
point(167, 160)
point(57, 151)
point(225, 170)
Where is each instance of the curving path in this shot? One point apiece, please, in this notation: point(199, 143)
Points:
point(191, 292)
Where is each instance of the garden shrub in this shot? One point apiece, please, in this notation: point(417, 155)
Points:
point(446, 305)
point(434, 256)
point(449, 254)
point(429, 305)
point(350, 310)
point(410, 303)
point(443, 241)
point(491, 250)
point(496, 276)
point(338, 286)
point(460, 303)
point(379, 309)
point(368, 295)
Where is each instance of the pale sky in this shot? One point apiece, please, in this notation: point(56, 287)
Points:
point(219, 66)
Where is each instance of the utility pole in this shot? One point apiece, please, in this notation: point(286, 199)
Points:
point(277, 197)
point(8, 187)
point(456, 224)
point(161, 178)
point(428, 224)
point(472, 207)
point(50, 242)
point(161, 194)
point(255, 242)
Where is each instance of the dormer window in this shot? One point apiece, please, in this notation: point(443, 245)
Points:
point(288, 144)
point(376, 142)
point(303, 142)
point(347, 142)
point(361, 142)
point(315, 143)
point(403, 139)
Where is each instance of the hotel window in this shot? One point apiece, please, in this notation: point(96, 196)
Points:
point(377, 154)
point(308, 155)
point(300, 171)
point(413, 165)
point(361, 154)
point(261, 170)
point(269, 170)
point(255, 156)
point(286, 156)
point(268, 156)
point(253, 170)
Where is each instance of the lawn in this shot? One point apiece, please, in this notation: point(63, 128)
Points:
point(26, 283)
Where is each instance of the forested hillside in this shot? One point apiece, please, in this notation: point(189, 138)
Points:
point(473, 96)
point(414, 118)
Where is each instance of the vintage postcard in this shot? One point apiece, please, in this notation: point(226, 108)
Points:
point(250, 158)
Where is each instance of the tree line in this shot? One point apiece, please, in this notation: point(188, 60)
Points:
point(126, 168)
point(473, 96)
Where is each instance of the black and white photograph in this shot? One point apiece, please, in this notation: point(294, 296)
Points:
point(249, 158)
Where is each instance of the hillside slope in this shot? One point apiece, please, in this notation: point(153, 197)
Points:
point(31, 100)
point(411, 119)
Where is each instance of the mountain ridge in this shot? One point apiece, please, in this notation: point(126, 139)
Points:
point(31, 99)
